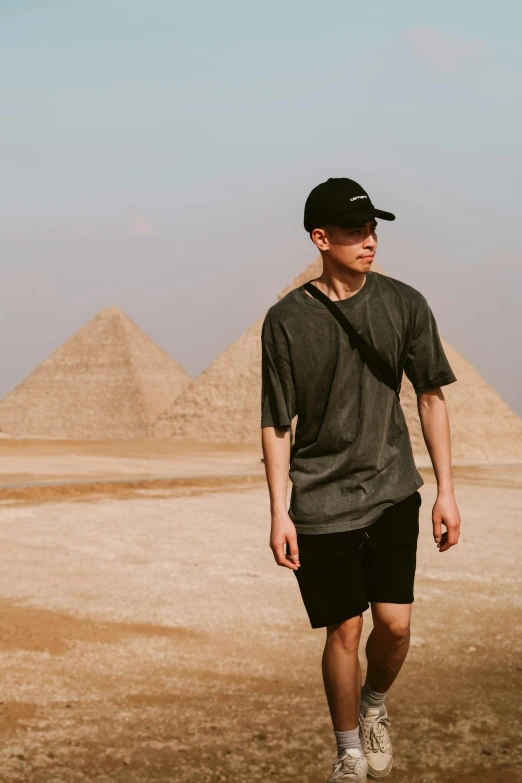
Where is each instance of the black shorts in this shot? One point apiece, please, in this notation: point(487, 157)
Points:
point(341, 572)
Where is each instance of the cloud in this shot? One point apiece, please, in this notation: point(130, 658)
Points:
point(139, 226)
point(443, 53)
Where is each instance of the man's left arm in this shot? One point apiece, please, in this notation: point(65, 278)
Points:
point(434, 420)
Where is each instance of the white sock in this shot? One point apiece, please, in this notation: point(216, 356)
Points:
point(347, 739)
point(371, 698)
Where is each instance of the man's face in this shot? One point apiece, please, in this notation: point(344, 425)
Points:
point(353, 248)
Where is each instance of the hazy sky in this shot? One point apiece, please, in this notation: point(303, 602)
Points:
point(156, 156)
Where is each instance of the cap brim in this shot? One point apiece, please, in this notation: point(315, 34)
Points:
point(380, 213)
point(359, 217)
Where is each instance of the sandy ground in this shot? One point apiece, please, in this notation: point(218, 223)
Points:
point(27, 460)
point(148, 635)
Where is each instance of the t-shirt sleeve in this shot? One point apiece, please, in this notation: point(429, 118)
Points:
point(278, 406)
point(427, 366)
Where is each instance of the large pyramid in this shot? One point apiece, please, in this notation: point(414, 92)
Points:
point(223, 404)
point(109, 380)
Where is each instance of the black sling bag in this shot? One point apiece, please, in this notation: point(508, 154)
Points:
point(368, 354)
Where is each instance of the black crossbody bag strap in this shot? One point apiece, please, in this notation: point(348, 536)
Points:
point(368, 354)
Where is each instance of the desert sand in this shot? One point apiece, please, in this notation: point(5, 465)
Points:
point(148, 635)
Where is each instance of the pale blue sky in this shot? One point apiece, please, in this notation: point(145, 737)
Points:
point(156, 156)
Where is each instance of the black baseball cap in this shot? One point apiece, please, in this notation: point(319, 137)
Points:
point(342, 202)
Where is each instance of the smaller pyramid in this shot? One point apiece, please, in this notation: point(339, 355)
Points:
point(109, 380)
point(222, 404)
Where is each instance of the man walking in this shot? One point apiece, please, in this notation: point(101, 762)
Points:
point(350, 532)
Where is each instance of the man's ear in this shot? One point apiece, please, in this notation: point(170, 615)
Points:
point(321, 239)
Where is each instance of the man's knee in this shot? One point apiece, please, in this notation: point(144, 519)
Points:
point(396, 629)
point(347, 633)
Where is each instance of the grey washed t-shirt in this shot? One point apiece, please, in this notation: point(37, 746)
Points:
point(352, 454)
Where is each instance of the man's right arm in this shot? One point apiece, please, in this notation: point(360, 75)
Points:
point(275, 442)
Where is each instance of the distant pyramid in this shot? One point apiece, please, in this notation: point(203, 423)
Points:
point(109, 380)
point(223, 404)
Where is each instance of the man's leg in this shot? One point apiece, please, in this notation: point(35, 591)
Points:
point(389, 570)
point(342, 672)
point(386, 650)
point(332, 586)
point(387, 644)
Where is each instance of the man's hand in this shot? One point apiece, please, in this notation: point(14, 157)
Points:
point(445, 512)
point(283, 530)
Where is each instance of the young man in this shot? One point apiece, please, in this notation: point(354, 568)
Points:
point(352, 525)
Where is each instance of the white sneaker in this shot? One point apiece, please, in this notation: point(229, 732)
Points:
point(376, 743)
point(351, 766)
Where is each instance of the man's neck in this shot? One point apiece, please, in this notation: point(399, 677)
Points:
point(337, 289)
